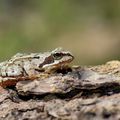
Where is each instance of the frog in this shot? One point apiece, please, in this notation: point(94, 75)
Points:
point(29, 66)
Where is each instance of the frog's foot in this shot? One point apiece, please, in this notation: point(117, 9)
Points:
point(41, 76)
point(59, 69)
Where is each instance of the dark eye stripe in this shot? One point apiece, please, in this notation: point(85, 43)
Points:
point(36, 57)
point(48, 60)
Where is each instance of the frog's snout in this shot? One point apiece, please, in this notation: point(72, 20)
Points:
point(69, 57)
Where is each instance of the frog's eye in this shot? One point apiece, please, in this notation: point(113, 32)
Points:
point(57, 56)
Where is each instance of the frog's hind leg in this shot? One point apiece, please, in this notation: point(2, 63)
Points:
point(4, 82)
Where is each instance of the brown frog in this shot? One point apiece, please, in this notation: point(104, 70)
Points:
point(33, 65)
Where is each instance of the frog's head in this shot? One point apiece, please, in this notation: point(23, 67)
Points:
point(59, 58)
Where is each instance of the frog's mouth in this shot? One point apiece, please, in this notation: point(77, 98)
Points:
point(60, 63)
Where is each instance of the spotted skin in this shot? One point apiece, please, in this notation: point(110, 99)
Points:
point(33, 65)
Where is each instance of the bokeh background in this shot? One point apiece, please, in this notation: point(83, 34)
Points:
point(90, 29)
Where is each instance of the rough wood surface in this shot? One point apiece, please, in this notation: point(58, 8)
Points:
point(84, 93)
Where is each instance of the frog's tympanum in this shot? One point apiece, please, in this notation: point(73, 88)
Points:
point(30, 66)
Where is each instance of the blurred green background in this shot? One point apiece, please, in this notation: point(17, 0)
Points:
point(90, 29)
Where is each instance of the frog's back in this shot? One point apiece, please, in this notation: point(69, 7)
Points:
point(23, 64)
